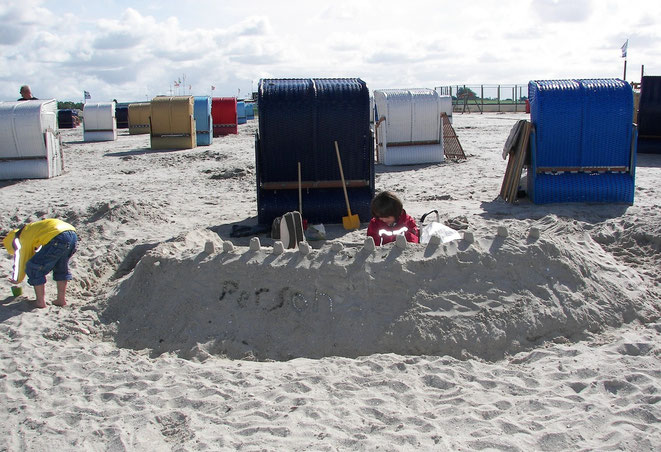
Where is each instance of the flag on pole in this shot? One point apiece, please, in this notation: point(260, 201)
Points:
point(176, 84)
point(87, 94)
point(213, 87)
point(624, 48)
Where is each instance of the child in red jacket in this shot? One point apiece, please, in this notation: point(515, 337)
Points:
point(390, 220)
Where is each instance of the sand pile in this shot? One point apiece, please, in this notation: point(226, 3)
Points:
point(488, 298)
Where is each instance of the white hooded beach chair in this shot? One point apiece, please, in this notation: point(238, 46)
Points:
point(408, 128)
point(29, 140)
point(99, 122)
point(446, 106)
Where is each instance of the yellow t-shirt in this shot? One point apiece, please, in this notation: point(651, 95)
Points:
point(33, 236)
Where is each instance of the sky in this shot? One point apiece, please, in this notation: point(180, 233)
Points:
point(135, 50)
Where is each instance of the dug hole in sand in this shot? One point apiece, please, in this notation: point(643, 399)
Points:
point(484, 298)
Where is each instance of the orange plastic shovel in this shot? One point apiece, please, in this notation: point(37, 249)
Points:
point(350, 221)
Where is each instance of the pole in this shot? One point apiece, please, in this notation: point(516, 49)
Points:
point(625, 71)
point(517, 91)
point(514, 96)
point(642, 72)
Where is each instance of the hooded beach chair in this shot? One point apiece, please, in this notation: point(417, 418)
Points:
point(203, 126)
point(66, 119)
point(172, 123)
point(250, 111)
point(299, 122)
point(583, 141)
point(223, 115)
point(29, 141)
point(408, 126)
point(139, 118)
point(649, 115)
point(99, 122)
point(241, 112)
point(122, 115)
point(446, 106)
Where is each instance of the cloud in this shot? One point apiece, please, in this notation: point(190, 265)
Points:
point(12, 34)
point(343, 12)
point(178, 54)
point(344, 42)
point(20, 18)
point(643, 40)
point(128, 32)
point(117, 40)
point(252, 26)
point(562, 10)
point(256, 59)
point(114, 76)
point(142, 49)
point(527, 33)
point(488, 57)
point(254, 52)
point(394, 56)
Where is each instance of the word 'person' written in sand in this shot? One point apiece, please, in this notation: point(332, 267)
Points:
point(285, 297)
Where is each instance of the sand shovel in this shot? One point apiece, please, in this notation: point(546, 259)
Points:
point(350, 221)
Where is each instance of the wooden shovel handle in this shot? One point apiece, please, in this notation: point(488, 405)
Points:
point(344, 186)
point(300, 193)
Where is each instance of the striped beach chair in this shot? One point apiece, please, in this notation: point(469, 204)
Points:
point(172, 123)
point(299, 121)
point(582, 142)
point(29, 142)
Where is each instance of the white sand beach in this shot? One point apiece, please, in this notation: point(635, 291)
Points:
point(174, 340)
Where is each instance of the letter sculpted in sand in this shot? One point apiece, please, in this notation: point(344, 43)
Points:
point(285, 297)
point(229, 287)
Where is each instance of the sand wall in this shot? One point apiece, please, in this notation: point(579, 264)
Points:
point(495, 296)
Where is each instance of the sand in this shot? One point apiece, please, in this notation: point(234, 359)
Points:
point(180, 337)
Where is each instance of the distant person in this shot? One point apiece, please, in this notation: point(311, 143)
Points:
point(26, 93)
point(39, 248)
point(390, 220)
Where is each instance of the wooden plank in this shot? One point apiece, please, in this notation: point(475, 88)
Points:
point(581, 169)
point(509, 171)
point(516, 160)
point(519, 160)
point(12, 159)
point(412, 143)
point(313, 184)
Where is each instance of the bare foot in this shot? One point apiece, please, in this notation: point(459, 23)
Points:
point(37, 304)
point(60, 303)
point(39, 292)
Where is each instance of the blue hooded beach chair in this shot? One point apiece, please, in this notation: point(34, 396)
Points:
point(583, 143)
point(202, 115)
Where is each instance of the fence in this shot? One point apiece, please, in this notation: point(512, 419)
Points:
point(486, 98)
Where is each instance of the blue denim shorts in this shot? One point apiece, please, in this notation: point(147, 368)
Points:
point(53, 256)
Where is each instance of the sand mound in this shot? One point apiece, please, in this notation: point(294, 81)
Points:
point(635, 244)
point(495, 296)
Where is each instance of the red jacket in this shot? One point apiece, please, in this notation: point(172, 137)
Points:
point(383, 233)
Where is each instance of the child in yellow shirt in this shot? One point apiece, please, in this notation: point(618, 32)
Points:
point(39, 248)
